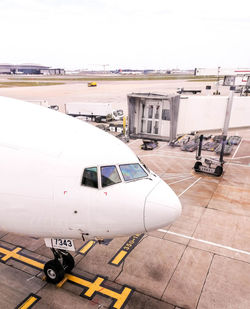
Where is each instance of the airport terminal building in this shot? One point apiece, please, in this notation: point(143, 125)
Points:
point(29, 69)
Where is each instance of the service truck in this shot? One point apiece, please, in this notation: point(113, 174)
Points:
point(98, 112)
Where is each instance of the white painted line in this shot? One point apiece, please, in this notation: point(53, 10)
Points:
point(133, 142)
point(189, 187)
point(180, 180)
point(164, 145)
point(236, 164)
point(173, 177)
point(237, 149)
point(165, 156)
point(245, 157)
point(205, 242)
point(176, 152)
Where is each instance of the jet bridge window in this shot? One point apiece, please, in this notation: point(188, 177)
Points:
point(165, 114)
point(110, 176)
point(132, 171)
point(89, 178)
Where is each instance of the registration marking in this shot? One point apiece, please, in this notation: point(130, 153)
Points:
point(124, 251)
point(60, 243)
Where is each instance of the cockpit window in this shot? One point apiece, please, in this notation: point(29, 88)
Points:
point(89, 178)
point(110, 176)
point(132, 171)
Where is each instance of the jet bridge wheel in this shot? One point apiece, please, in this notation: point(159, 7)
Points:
point(54, 271)
point(197, 166)
point(218, 171)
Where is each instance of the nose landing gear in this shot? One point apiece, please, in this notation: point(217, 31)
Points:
point(55, 269)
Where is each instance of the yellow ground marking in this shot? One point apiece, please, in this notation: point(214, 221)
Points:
point(28, 303)
point(128, 246)
point(10, 254)
point(119, 257)
point(92, 287)
point(61, 283)
point(88, 245)
point(14, 254)
point(95, 287)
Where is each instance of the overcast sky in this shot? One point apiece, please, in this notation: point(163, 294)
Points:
point(156, 34)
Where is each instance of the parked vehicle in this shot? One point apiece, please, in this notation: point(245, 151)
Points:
point(92, 84)
point(98, 112)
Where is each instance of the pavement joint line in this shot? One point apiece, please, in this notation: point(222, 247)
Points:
point(90, 288)
point(172, 183)
point(204, 283)
point(205, 242)
point(189, 187)
point(174, 271)
point(29, 301)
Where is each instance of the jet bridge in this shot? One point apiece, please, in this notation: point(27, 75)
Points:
point(153, 116)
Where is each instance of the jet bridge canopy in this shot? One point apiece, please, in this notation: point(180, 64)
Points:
point(153, 116)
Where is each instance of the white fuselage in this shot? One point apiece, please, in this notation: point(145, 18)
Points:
point(43, 155)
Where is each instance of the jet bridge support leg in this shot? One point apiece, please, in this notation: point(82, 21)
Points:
point(55, 269)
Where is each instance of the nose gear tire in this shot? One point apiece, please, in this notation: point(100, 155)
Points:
point(54, 271)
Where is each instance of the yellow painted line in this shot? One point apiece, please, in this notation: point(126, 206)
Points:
point(94, 287)
point(88, 245)
point(127, 247)
point(30, 301)
point(61, 283)
point(119, 257)
point(14, 254)
point(90, 288)
point(10, 254)
point(123, 297)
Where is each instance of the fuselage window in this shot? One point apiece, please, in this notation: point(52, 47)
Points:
point(89, 178)
point(132, 171)
point(109, 175)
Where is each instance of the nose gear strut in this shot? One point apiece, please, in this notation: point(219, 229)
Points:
point(62, 263)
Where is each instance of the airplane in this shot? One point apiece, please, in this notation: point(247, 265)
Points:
point(64, 179)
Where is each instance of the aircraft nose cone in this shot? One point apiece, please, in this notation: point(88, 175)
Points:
point(162, 207)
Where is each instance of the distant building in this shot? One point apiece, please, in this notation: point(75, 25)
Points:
point(29, 69)
point(220, 71)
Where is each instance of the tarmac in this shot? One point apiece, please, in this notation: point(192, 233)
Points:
point(200, 261)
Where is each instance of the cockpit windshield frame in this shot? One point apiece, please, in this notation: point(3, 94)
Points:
point(133, 171)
